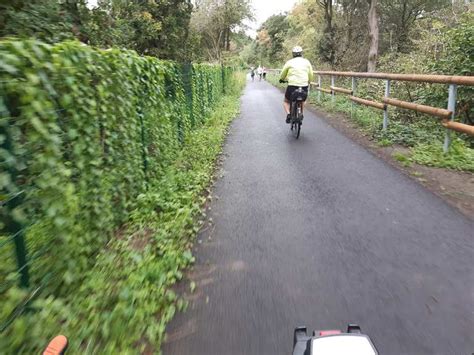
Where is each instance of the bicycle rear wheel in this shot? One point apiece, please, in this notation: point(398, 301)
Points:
point(297, 129)
point(297, 119)
point(292, 115)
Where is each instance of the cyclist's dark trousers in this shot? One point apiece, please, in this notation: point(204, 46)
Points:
point(290, 89)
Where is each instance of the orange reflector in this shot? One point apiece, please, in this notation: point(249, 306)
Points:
point(323, 333)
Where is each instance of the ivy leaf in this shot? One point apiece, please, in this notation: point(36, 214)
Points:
point(10, 69)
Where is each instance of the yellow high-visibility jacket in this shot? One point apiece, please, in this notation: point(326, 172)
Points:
point(297, 71)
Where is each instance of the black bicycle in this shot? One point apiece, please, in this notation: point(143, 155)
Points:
point(298, 97)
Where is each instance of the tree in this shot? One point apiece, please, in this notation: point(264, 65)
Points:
point(271, 37)
point(214, 22)
point(208, 23)
point(305, 28)
point(398, 18)
point(277, 27)
point(327, 44)
point(373, 36)
point(158, 28)
point(343, 34)
point(48, 20)
point(351, 34)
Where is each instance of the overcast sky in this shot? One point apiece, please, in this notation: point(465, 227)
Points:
point(262, 9)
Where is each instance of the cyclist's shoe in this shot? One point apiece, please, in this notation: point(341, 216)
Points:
point(57, 346)
point(288, 118)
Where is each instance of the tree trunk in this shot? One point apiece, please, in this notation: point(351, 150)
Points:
point(71, 9)
point(227, 48)
point(373, 36)
point(328, 13)
point(327, 46)
point(402, 30)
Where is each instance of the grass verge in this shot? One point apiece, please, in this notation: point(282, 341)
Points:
point(126, 299)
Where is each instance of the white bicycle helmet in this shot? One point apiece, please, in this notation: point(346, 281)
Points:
point(297, 51)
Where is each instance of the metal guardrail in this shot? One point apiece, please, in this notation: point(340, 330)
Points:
point(447, 115)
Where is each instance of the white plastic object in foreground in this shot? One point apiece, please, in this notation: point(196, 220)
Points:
point(343, 344)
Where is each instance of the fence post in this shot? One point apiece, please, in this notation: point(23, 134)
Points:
point(333, 83)
point(188, 89)
point(451, 107)
point(319, 86)
point(209, 91)
point(385, 109)
point(354, 88)
point(223, 77)
point(201, 94)
point(144, 148)
point(20, 250)
point(12, 225)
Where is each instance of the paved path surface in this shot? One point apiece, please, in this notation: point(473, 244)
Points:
point(319, 232)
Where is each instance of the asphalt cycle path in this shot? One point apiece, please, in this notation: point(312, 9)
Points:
point(320, 232)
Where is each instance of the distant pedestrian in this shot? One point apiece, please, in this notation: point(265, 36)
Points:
point(259, 72)
point(252, 73)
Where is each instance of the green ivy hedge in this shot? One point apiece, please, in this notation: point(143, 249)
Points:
point(83, 133)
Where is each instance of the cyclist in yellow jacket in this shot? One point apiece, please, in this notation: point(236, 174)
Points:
point(298, 72)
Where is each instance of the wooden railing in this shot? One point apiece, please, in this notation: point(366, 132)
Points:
point(420, 78)
point(446, 115)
